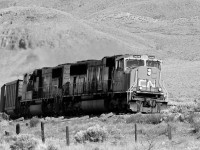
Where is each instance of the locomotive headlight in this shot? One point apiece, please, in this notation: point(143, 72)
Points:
point(159, 89)
point(148, 71)
point(140, 88)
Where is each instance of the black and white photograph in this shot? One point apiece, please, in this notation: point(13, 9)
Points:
point(99, 74)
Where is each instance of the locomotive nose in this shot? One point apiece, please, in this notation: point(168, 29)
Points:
point(146, 79)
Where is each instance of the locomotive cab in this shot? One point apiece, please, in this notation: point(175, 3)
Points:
point(142, 82)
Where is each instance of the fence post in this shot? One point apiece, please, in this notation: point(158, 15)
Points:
point(42, 132)
point(135, 132)
point(169, 129)
point(67, 135)
point(17, 128)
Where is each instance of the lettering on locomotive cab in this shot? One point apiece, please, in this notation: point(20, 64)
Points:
point(146, 83)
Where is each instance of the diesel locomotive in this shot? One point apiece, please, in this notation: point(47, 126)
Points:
point(120, 83)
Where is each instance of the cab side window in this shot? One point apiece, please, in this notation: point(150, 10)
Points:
point(120, 64)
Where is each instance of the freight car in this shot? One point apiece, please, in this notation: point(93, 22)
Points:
point(10, 97)
point(118, 83)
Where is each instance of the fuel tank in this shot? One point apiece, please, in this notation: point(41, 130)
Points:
point(36, 109)
point(95, 106)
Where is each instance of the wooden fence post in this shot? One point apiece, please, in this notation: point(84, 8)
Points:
point(42, 132)
point(169, 129)
point(135, 132)
point(17, 128)
point(67, 135)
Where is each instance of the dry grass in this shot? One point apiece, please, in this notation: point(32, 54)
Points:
point(147, 119)
point(194, 119)
point(120, 135)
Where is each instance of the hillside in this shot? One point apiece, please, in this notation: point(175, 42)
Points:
point(31, 43)
point(36, 33)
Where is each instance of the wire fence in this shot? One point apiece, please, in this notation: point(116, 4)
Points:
point(168, 129)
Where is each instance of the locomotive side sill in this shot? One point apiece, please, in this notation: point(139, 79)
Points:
point(149, 92)
point(141, 99)
point(161, 101)
point(26, 100)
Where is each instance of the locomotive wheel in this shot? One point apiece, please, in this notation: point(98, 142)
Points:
point(24, 110)
point(57, 110)
point(135, 106)
point(139, 106)
point(158, 107)
point(163, 106)
point(153, 106)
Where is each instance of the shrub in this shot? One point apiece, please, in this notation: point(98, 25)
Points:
point(4, 146)
point(53, 144)
point(176, 109)
point(34, 121)
point(154, 119)
point(81, 136)
point(4, 116)
point(92, 134)
point(196, 127)
point(190, 117)
point(136, 118)
point(153, 131)
point(114, 132)
point(24, 142)
point(194, 120)
point(52, 147)
point(197, 107)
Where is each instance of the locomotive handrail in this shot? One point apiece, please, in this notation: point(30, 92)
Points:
point(135, 82)
point(130, 90)
point(165, 90)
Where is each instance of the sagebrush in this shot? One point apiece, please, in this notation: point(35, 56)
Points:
point(24, 142)
point(92, 134)
point(34, 122)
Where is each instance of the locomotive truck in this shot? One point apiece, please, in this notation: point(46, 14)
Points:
point(120, 83)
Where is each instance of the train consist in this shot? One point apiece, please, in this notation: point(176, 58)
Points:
point(119, 83)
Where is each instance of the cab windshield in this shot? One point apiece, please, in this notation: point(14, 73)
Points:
point(131, 63)
point(151, 63)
